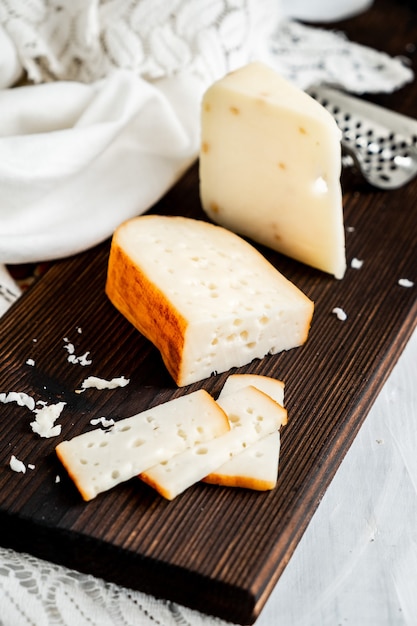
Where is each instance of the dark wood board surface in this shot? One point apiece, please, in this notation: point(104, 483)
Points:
point(215, 549)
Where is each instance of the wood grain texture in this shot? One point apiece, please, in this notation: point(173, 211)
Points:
point(215, 549)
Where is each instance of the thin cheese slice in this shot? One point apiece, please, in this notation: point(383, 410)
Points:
point(256, 467)
point(100, 459)
point(270, 166)
point(273, 387)
point(252, 415)
point(205, 297)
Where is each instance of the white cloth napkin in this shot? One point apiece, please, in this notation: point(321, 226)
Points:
point(77, 159)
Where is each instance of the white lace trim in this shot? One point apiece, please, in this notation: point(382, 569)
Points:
point(50, 594)
point(85, 40)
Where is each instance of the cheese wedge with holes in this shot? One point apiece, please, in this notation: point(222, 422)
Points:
point(256, 467)
point(99, 460)
point(252, 415)
point(270, 165)
point(205, 297)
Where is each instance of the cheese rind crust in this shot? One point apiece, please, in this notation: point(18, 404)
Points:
point(270, 165)
point(206, 298)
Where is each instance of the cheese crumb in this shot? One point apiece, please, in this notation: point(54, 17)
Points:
point(72, 357)
point(57, 479)
point(16, 465)
point(340, 314)
point(101, 383)
point(31, 466)
point(20, 397)
point(404, 282)
point(106, 423)
point(356, 264)
point(45, 420)
point(30, 362)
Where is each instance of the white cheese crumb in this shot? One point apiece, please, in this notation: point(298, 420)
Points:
point(356, 264)
point(30, 362)
point(79, 330)
point(106, 423)
point(16, 465)
point(72, 357)
point(31, 466)
point(45, 420)
point(101, 383)
point(21, 398)
point(57, 479)
point(350, 229)
point(340, 314)
point(404, 282)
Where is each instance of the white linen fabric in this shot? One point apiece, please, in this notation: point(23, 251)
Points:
point(111, 119)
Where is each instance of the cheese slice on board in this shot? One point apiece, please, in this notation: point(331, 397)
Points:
point(256, 467)
point(270, 165)
point(100, 459)
point(252, 415)
point(205, 297)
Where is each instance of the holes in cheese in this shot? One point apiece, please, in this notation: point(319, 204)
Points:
point(256, 467)
point(272, 173)
point(252, 415)
point(100, 459)
point(168, 296)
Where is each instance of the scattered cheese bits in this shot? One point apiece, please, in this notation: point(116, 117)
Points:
point(404, 282)
point(270, 165)
point(98, 460)
point(340, 314)
point(101, 383)
point(44, 424)
point(16, 465)
point(21, 398)
point(252, 415)
point(72, 358)
point(30, 362)
point(356, 264)
point(106, 423)
point(204, 296)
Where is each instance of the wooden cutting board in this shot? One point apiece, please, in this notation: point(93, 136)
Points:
point(215, 549)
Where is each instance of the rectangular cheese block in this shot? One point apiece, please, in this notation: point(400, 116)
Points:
point(270, 165)
point(252, 415)
point(256, 467)
point(204, 296)
point(100, 459)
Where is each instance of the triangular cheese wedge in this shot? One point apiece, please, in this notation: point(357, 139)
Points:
point(270, 165)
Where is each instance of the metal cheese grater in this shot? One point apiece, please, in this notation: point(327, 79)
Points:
point(382, 143)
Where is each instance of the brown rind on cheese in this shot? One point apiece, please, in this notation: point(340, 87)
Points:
point(145, 306)
point(206, 298)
